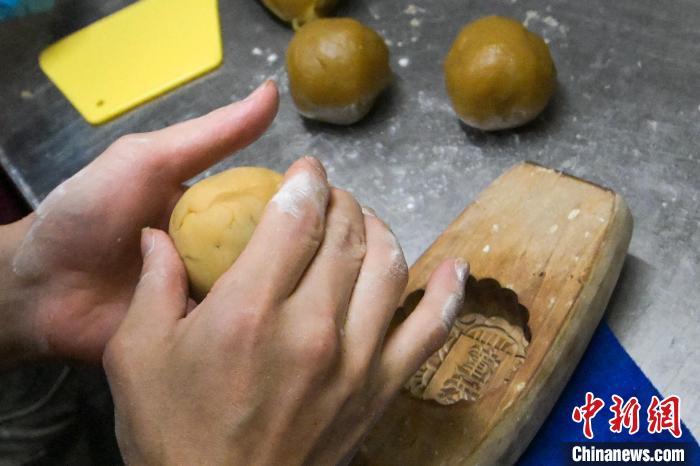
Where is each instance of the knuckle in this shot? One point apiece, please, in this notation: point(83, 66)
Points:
point(244, 323)
point(397, 267)
point(349, 238)
point(320, 347)
point(354, 240)
point(308, 227)
point(387, 253)
point(138, 149)
point(394, 269)
point(130, 143)
point(247, 321)
point(263, 300)
point(346, 225)
point(356, 374)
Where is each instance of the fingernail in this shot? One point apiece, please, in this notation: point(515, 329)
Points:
point(253, 94)
point(148, 242)
point(461, 270)
point(316, 164)
point(369, 211)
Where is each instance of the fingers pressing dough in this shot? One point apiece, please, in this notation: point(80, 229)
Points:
point(214, 220)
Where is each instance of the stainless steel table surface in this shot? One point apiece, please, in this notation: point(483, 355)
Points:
point(626, 115)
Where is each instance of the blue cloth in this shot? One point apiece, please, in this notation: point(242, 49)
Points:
point(604, 370)
point(16, 8)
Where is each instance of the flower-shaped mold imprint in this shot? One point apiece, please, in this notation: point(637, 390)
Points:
point(486, 346)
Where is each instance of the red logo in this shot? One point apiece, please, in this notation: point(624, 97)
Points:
point(625, 415)
point(665, 415)
point(661, 415)
point(587, 412)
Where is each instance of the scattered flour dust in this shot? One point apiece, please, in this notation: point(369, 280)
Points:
point(412, 9)
point(58, 204)
point(550, 21)
point(404, 62)
point(397, 262)
point(529, 16)
point(451, 308)
point(271, 57)
point(453, 304)
point(398, 265)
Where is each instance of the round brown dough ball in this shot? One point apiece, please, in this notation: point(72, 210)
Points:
point(299, 12)
point(337, 68)
point(498, 74)
point(214, 220)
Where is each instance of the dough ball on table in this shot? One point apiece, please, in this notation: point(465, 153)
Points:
point(214, 220)
point(498, 74)
point(299, 12)
point(337, 68)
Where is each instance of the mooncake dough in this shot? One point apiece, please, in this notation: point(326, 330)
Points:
point(214, 220)
point(337, 67)
point(299, 12)
point(498, 74)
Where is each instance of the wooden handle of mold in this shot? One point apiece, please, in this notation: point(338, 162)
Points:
point(545, 251)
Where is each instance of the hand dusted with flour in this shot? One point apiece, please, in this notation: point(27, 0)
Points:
point(74, 263)
point(289, 349)
point(297, 190)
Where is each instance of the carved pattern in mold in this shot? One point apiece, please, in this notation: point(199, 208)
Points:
point(485, 348)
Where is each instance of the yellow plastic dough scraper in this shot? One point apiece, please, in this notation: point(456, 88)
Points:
point(134, 55)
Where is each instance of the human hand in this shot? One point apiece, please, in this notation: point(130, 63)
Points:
point(287, 360)
point(77, 262)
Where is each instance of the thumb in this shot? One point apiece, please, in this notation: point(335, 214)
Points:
point(185, 149)
point(160, 299)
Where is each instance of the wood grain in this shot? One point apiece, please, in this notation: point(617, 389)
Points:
point(559, 243)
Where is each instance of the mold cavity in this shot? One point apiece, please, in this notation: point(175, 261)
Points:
point(486, 346)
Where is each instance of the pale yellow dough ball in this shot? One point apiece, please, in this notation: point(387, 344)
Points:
point(214, 220)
